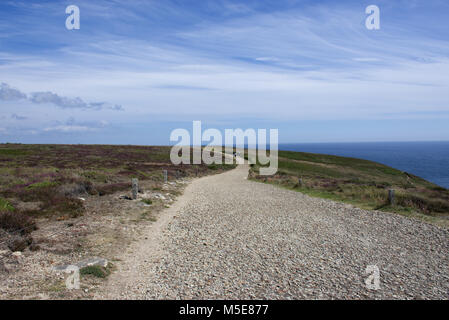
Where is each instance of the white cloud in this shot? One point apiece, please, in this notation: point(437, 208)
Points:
point(69, 128)
point(18, 117)
point(9, 94)
point(63, 102)
point(266, 59)
point(366, 59)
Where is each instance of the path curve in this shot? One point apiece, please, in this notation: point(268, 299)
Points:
point(230, 238)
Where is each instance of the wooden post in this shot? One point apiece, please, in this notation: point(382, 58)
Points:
point(391, 197)
point(135, 185)
point(165, 176)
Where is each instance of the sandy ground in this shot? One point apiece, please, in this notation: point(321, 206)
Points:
point(227, 238)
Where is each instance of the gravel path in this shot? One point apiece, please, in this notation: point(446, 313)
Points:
point(230, 238)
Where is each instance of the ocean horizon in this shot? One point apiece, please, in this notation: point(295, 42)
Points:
point(426, 159)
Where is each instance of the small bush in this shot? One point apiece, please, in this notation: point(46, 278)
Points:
point(96, 176)
point(147, 201)
point(76, 189)
point(96, 271)
point(423, 204)
point(16, 222)
point(73, 207)
point(112, 188)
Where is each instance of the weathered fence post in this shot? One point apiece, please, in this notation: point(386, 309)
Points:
point(165, 176)
point(391, 197)
point(135, 185)
point(300, 182)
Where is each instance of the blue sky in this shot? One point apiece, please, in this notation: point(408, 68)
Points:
point(138, 69)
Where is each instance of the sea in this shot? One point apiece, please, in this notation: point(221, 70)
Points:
point(428, 160)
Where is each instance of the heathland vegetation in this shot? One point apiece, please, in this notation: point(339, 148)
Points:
point(50, 181)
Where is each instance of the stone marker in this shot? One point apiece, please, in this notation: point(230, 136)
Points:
point(300, 182)
point(165, 176)
point(391, 197)
point(89, 262)
point(135, 184)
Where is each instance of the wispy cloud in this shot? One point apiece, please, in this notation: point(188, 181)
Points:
point(10, 94)
point(66, 128)
point(62, 102)
point(17, 117)
point(69, 103)
point(72, 125)
point(279, 60)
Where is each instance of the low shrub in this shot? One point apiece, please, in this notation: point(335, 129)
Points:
point(16, 222)
point(61, 204)
point(112, 188)
point(424, 204)
point(96, 271)
point(77, 189)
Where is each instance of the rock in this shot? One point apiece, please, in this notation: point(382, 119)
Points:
point(93, 262)
point(159, 196)
point(17, 254)
point(125, 198)
point(135, 188)
point(85, 263)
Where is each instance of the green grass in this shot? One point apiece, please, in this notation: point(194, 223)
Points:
point(13, 152)
point(5, 205)
point(147, 201)
point(360, 182)
point(96, 271)
point(147, 215)
point(43, 184)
